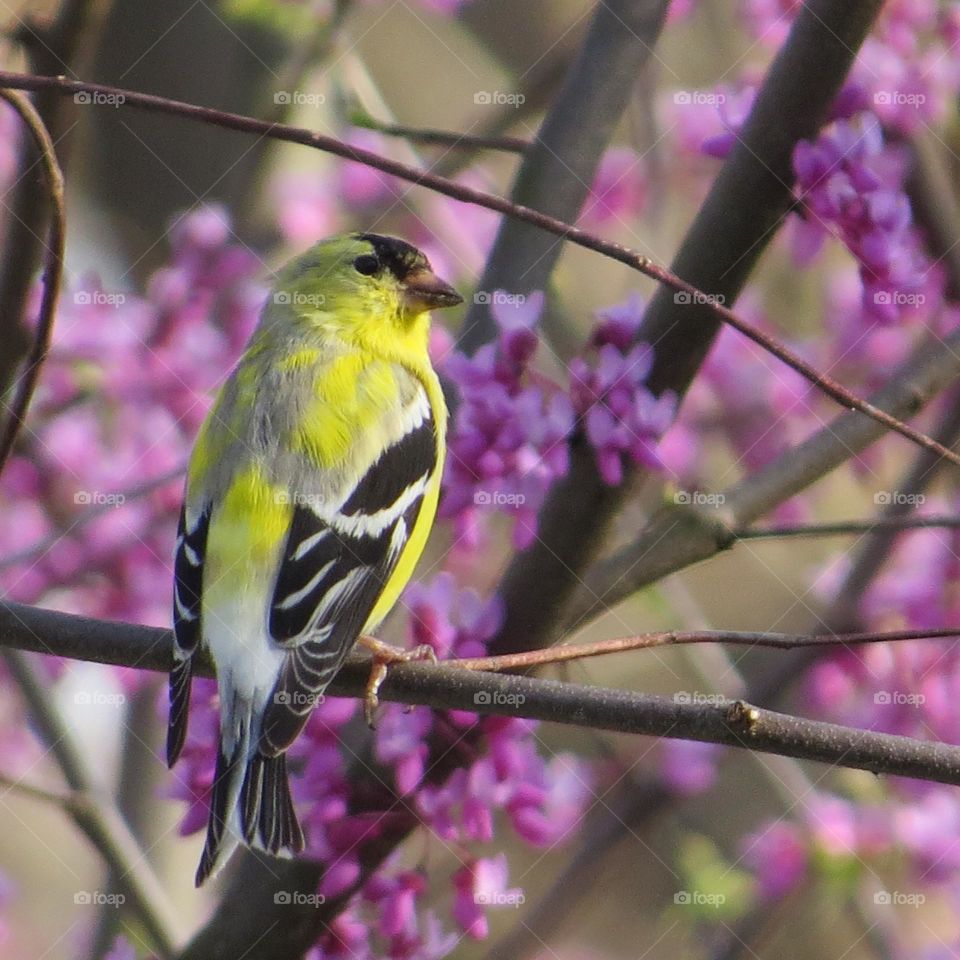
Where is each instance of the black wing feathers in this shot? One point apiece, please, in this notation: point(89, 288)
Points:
point(188, 583)
point(402, 464)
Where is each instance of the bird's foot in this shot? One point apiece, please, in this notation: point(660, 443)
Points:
point(384, 656)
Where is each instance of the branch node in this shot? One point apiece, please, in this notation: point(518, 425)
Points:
point(742, 717)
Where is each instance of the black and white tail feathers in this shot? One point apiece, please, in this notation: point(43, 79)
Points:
point(250, 801)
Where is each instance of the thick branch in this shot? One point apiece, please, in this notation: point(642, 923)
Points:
point(559, 166)
point(446, 688)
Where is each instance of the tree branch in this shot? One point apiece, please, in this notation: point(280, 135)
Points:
point(53, 48)
point(559, 166)
point(441, 687)
point(52, 271)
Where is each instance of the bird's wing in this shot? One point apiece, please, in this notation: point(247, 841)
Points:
point(188, 581)
point(337, 563)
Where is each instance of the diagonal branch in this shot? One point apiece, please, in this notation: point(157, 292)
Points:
point(561, 162)
point(94, 813)
point(457, 191)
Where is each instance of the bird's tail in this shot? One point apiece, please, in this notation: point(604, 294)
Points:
point(250, 802)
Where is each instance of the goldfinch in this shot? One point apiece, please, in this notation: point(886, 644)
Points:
point(309, 496)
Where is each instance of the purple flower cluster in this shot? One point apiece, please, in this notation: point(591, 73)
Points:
point(851, 184)
point(508, 440)
point(620, 416)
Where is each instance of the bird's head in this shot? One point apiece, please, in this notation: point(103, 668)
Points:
point(363, 285)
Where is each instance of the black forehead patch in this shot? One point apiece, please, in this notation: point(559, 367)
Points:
point(398, 256)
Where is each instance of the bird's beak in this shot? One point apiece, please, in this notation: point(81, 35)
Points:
point(424, 290)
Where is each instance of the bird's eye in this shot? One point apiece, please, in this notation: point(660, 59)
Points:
point(367, 264)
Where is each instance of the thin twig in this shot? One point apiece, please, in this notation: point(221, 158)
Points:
point(561, 653)
point(465, 194)
point(426, 136)
point(845, 527)
point(52, 271)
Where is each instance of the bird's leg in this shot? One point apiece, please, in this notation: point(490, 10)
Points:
point(384, 655)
